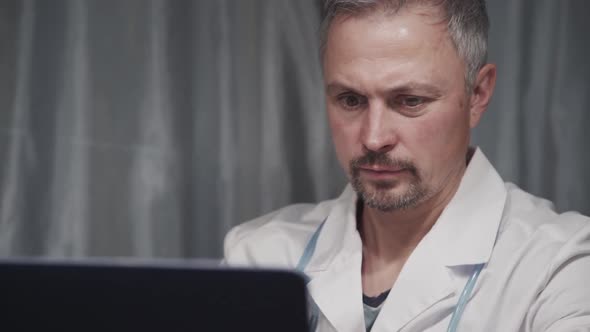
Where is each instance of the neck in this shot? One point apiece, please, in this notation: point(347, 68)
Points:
point(389, 236)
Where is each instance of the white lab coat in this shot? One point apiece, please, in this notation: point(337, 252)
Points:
point(536, 277)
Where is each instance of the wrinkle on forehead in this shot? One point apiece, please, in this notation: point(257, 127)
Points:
point(379, 39)
point(371, 53)
point(432, 13)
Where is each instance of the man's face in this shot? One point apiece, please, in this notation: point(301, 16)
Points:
point(397, 106)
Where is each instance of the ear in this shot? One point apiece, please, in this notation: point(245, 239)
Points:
point(482, 93)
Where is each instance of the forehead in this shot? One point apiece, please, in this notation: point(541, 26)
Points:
point(418, 18)
point(412, 40)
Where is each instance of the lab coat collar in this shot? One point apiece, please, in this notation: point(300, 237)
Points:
point(464, 234)
point(335, 268)
point(339, 237)
point(466, 230)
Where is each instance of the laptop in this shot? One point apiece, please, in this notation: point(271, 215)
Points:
point(38, 295)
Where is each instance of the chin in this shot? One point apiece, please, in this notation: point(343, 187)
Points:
point(392, 199)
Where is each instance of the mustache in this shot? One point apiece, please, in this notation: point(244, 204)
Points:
point(372, 158)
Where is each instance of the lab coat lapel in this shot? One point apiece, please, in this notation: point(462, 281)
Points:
point(338, 294)
point(423, 282)
point(335, 269)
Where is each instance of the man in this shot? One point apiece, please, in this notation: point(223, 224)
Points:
point(427, 236)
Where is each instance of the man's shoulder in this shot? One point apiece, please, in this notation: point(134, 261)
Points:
point(541, 238)
point(275, 239)
point(533, 214)
point(542, 260)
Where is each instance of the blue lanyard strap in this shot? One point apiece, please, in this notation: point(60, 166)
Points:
point(465, 294)
point(314, 311)
point(309, 249)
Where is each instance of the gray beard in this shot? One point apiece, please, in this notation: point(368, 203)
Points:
point(378, 195)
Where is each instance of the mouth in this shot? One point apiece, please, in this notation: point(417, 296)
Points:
point(381, 172)
point(382, 169)
point(379, 168)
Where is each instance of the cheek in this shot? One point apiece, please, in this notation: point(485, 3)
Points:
point(344, 136)
point(442, 142)
point(443, 132)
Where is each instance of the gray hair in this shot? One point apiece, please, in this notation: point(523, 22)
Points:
point(467, 23)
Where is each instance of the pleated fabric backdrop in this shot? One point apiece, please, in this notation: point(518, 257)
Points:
point(149, 128)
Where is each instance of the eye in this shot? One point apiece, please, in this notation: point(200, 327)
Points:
point(351, 101)
point(410, 105)
point(411, 101)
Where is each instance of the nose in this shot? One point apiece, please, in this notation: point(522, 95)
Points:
point(377, 132)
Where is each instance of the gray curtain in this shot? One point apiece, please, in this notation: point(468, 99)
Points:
point(149, 128)
point(536, 130)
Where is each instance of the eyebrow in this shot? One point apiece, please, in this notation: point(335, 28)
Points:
point(337, 87)
point(409, 87)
